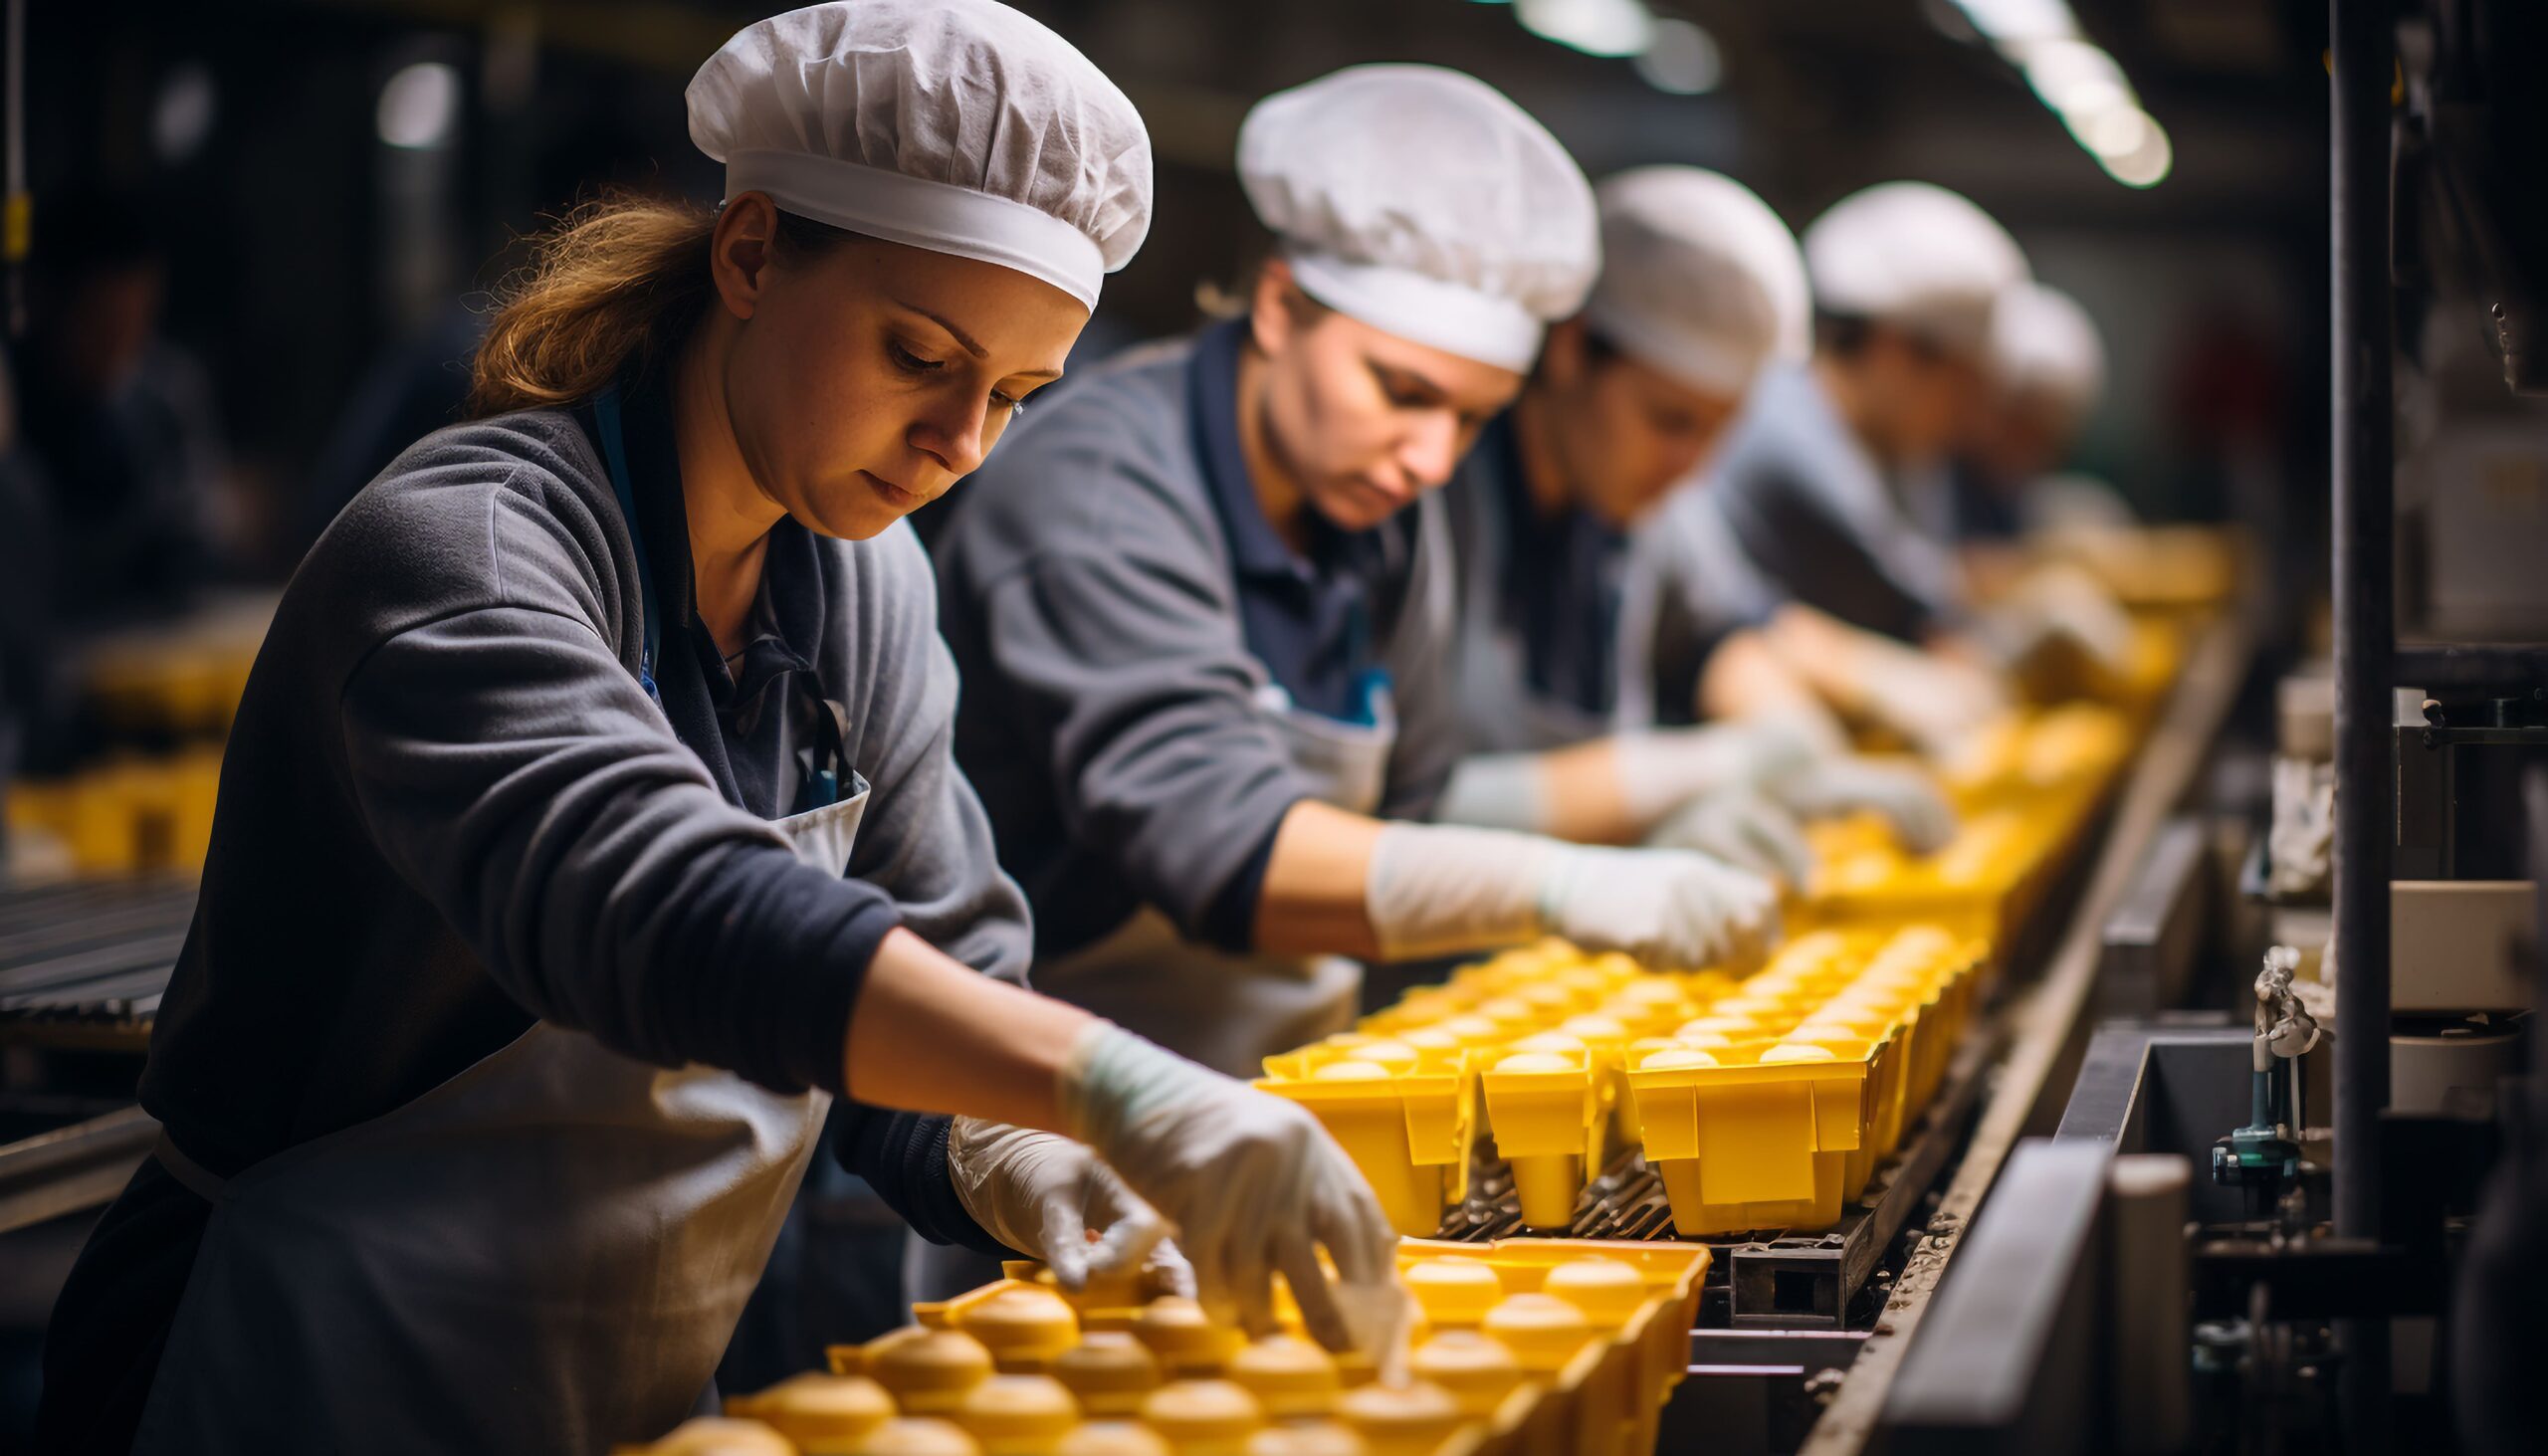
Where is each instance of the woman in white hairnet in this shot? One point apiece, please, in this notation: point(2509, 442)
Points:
point(1204, 615)
point(1701, 290)
point(590, 826)
point(1831, 492)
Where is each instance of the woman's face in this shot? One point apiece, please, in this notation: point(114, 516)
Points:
point(1624, 433)
point(864, 380)
point(1364, 421)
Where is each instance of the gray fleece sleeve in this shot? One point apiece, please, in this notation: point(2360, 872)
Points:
point(925, 840)
point(1135, 682)
point(510, 769)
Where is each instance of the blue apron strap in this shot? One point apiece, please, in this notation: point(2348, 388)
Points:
point(1371, 680)
point(614, 457)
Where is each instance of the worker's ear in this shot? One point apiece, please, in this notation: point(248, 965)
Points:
point(1274, 309)
point(1564, 355)
point(739, 255)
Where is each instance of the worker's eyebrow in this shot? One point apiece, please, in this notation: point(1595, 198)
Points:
point(959, 336)
point(1407, 381)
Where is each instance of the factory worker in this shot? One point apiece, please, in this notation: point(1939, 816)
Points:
point(1820, 484)
point(1202, 608)
point(1701, 290)
point(589, 825)
point(2047, 373)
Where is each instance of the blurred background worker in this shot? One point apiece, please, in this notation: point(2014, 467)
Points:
point(1203, 608)
point(1828, 520)
point(2047, 373)
point(590, 824)
point(116, 426)
point(113, 507)
point(1701, 290)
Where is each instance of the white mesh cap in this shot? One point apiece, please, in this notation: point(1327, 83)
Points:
point(957, 126)
point(2044, 345)
point(1424, 203)
point(1915, 256)
point(1699, 279)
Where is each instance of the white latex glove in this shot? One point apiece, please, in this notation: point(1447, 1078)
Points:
point(1907, 799)
point(1744, 829)
point(1252, 1181)
point(1664, 769)
point(1438, 888)
point(1669, 909)
point(1042, 1195)
point(1934, 701)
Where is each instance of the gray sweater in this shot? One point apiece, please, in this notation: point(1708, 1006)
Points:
point(1111, 714)
point(448, 808)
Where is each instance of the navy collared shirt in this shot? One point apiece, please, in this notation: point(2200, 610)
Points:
point(1309, 618)
point(1559, 591)
point(769, 702)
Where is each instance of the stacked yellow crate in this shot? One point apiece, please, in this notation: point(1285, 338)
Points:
point(1773, 1109)
point(1523, 1348)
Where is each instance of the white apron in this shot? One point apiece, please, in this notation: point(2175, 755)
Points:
point(544, 1253)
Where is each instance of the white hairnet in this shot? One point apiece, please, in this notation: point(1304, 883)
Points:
point(1699, 278)
point(957, 126)
point(1915, 256)
point(1423, 203)
point(2046, 347)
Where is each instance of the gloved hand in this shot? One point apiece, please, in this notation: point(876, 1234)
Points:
point(1438, 888)
point(1252, 1181)
point(1744, 829)
point(1908, 799)
point(1670, 909)
point(1042, 1195)
point(1662, 770)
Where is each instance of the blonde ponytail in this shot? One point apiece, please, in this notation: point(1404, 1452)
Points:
point(618, 283)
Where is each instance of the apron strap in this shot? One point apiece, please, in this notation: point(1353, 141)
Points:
point(197, 1179)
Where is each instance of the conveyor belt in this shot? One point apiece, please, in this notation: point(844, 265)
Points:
point(2047, 1021)
point(96, 952)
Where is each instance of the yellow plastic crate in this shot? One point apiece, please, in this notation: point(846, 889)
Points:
point(1758, 1117)
point(127, 815)
point(1401, 1109)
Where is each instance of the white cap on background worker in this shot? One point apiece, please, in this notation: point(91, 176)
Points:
point(2045, 352)
point(1699, 279)
point(1917, 257)
point(1424, 203)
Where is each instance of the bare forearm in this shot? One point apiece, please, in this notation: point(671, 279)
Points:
point(931, 1034)
point(1746, 676)
point(1820, 653)
point(1584, 795)
point(1316, 883)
